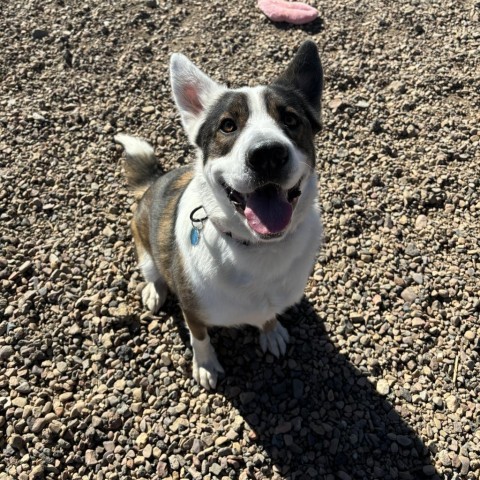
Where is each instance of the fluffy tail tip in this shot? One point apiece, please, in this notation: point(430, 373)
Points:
point(141, 167)
point(134, 146)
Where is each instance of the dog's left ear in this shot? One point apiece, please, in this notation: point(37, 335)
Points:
point(305, 74)
point(193, 92)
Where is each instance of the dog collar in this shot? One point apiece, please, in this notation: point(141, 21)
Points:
point(238, 240)
point(198, 224)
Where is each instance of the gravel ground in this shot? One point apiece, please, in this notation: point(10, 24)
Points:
point(381, 379)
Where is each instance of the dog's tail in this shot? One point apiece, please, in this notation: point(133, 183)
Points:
point(141, 165)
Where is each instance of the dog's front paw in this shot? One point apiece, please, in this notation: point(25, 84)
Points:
point(206, 373)
point(275, 340)
point(152, 299)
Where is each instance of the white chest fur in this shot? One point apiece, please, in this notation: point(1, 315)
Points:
point(236, 284)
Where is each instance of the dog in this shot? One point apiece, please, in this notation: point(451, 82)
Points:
point(235, 235)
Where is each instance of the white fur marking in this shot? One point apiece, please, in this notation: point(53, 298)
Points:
point(238, 285)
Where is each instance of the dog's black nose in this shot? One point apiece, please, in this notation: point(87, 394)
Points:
point(268, 159)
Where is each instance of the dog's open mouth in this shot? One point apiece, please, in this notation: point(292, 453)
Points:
point(268, 209)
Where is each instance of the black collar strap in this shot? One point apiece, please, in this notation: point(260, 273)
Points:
point(241, 242)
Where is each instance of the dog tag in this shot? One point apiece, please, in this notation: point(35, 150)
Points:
point(195, 236)
point(197, 225)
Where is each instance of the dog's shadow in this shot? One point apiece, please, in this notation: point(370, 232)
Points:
point(313, 412)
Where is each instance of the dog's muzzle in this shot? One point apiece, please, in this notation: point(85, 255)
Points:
point(267, 209)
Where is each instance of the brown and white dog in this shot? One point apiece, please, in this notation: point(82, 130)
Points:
point(235, 235)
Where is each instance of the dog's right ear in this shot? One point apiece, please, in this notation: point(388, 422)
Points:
point(193, 92)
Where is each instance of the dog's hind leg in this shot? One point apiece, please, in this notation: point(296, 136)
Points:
point(155, 291)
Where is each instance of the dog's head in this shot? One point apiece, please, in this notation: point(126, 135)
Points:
point(255, 144)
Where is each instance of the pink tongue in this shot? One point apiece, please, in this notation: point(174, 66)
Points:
point(268, 211)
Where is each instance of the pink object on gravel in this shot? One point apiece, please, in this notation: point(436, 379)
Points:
point(292, 12)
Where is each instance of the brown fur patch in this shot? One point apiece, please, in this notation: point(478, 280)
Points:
point(195, 324)
point(139, 192)
point(213, 142)
point(279, 103)
point(141, 225)
point(167, 254)
point(137, 237)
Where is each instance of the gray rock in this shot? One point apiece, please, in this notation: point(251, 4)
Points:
point(17, 442)
point(216, 469)
point(412, 250)
point(452, 403)
point(409, 294)
point(6, 352)
point(37, 472)
point(38, 34)
point(39, 424)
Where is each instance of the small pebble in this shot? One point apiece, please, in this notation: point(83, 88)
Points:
point(383, 387)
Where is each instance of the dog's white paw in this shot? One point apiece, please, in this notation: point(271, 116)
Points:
point(206, 367)
point(275, 341)
point(151, 297)
point(206, 373)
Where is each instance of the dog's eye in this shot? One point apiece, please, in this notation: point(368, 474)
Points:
point(228, 125)
point(290, 120)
